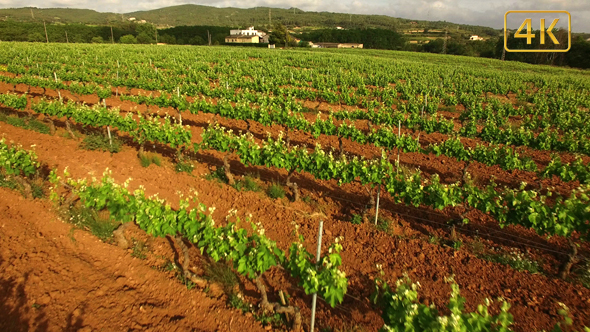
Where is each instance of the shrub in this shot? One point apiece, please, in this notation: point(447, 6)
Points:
point(94, 141)
point(275, 190)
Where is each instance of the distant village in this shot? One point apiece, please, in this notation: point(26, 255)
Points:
point(252, 36)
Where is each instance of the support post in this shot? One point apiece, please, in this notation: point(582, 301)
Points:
point(112, 36)
point(111, 142)
point(315, 295)
point(377, 206)
point(44, 27)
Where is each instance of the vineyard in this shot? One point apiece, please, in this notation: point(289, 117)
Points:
point(449, 193)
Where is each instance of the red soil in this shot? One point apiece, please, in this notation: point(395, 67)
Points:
point(57, 279)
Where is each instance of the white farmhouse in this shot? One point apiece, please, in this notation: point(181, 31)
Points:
point(248, 32)
point(475, 37)
point(249, 35)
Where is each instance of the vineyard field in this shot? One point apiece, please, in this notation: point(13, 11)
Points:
point(437, 179)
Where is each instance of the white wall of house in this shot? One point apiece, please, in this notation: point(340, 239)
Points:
point(248, 32)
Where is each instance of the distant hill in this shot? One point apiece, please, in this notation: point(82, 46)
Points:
point(213, 16)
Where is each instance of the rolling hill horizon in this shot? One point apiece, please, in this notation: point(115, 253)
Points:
point(190, 14)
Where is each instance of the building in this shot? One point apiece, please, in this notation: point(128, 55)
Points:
point(475, 37)
point(242, 39)
point(249, 35)
point(337, 45)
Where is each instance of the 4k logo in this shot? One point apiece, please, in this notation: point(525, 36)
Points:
point(527, 24)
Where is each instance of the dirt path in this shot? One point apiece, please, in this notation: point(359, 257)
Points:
point(54, 279)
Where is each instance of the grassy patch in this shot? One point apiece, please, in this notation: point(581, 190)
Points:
point(7, 182)
point(236, 301)
point(275, 190)
point(383, 224)
point(11, 183)
point(275, 320)
point(85, 218)
point(433, 239)
point(184, 166)
point(516, 260)
point(356, 219)
point(248, 183)
point(30, 124)
point(39, 126)
point(140, 249)
point(156, 160)
point(146, 159)
point(477, 247)
point(218, 175)
point(222, 274)
point(37, 190)
point(94, 141)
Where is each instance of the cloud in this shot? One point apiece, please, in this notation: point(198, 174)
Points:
point(476, 12)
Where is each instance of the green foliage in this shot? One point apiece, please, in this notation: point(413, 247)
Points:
point(128, 39)
point(87, 218)
point(248, 183)
point(97, 40)
point(275, 191)
point(516, 260)
point(156, 160)
point(184, 166)
point(144, 160)
point(218, 174)
point(30, 124)
point(327, 280)
point(8, 182)
point(221, 273)
point(16, 161)
point(403, 312)
point(356, 219)
point(250, 254)
point(100, 142)
point(237, 302)
point(508, 206)
point(383, 224)
point(139, 249)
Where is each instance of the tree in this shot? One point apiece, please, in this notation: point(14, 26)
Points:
point(167, 39)
point(579, 54)
point(144, 38)
point(197, 40)
point(97, 40)
point(279, 35)
point(36, 37)
point(128, 39)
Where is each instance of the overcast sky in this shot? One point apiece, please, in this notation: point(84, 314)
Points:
point(477, 12)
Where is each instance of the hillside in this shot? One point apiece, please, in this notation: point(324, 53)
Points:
point(212, 16)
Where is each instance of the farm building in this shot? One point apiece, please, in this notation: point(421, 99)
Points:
point(242, 39)
point(249, 35)
point(475, 37)
point(337, 45)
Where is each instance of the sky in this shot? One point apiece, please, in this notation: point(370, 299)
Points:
point(475, 12)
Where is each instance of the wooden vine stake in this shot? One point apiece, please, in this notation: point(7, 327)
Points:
point(293, 186)
point(315, 295)
point(110, 138)
point(226, 167)
point(188, 275)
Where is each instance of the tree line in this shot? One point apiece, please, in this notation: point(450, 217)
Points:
point(373, 38)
